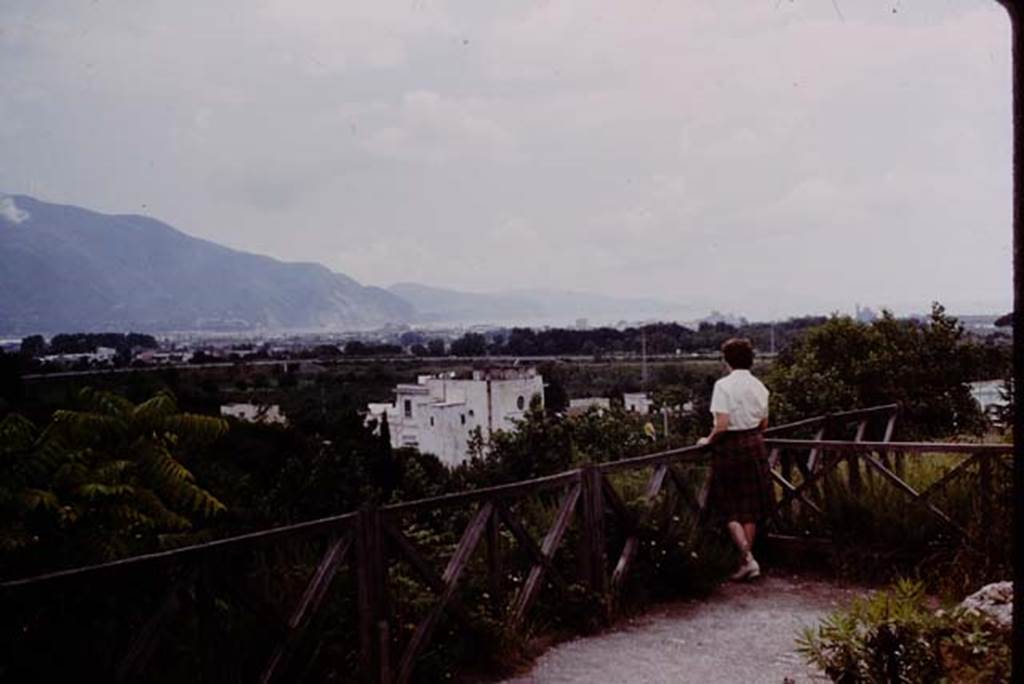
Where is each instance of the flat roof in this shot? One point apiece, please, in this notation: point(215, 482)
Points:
point(411, 389)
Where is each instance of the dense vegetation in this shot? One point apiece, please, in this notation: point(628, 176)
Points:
point(896, 636)
point(925, 366)
point(82, 343)
point(101, 481)
point(115, 476)
point(656, 338)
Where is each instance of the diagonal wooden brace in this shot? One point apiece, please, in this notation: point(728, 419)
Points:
point(529, 545)
point(308, 605)
point(632, 545)
point(423, 569)
point(452, 573)
point(910, 491)
point(550, 544)
point(949, 476)
point(791, 492)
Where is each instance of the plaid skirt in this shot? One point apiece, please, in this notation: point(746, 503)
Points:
point(741, 485)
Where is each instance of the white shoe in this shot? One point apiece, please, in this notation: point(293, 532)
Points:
point(748, 571)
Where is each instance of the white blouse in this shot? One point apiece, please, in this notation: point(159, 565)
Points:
point(743, 397)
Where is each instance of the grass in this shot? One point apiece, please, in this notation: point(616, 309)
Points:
point(881, 531)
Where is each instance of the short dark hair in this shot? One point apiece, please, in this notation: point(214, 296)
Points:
point(738, 353)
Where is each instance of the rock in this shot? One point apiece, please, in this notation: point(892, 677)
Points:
point(994, 602)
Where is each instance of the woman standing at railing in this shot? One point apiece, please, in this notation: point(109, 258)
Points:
point(741, 489)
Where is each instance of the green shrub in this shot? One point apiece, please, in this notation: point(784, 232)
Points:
point(880, 533)
point(895, 636)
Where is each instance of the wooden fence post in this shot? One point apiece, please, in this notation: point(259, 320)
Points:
point(384, 652)
point(493, 536)
point(986, 492)
point(206, 616)
point(592, 552)
point(371, 596)
point(853, 462)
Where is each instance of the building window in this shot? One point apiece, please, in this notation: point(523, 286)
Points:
point(463, 417)
point(471, 414)
point(431, 421)
point(408, 408)
point(521, 403)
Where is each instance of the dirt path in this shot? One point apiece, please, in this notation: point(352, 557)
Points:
point(742, 633)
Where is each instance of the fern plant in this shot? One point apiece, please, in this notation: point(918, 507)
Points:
point(101, 481)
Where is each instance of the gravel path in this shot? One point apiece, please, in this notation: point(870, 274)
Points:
point(741, 633)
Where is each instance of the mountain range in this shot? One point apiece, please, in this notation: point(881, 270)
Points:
point(65, 268)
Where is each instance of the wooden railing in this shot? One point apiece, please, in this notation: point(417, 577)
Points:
point(198, 581)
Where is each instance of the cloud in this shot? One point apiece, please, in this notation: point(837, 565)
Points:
point(710, 151)
point(11, 212)
point(430, 127)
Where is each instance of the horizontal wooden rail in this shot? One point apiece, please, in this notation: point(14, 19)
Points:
point(839, 416)
point(229, 545)
point(334, 523)
point(682, 455)
point(506, 491)
point(898, 447)
point(296, 531)
point(368, 541)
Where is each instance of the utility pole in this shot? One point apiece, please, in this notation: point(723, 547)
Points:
point(643, 359)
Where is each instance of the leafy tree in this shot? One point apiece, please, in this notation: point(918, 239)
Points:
point(103, 481)
point(541, 444)
point(435, 347)
point(522, 342)
point(322, 351)
point(141, 340)
point(411, 338)
point(33, 346)
point(201, 356)
point(609, 435)
point(556, 399)
point(356, 348)
point(545, 443)
point(470, 344)
point(844, 364)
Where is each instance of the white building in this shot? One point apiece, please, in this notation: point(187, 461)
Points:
point(438, 414)
point(637, 402)
point(102, 356)
point(165, 357)
point(584, 404)
point(268, 414)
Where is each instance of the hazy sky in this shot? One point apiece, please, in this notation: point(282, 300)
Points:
point(769, 157)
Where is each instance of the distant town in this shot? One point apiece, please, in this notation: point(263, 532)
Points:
point(87, 352)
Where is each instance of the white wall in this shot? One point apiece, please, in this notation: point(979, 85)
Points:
point(637, 402)
point(406, 430)
point(445, 411)
point(505, 396)
point(448, 436)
